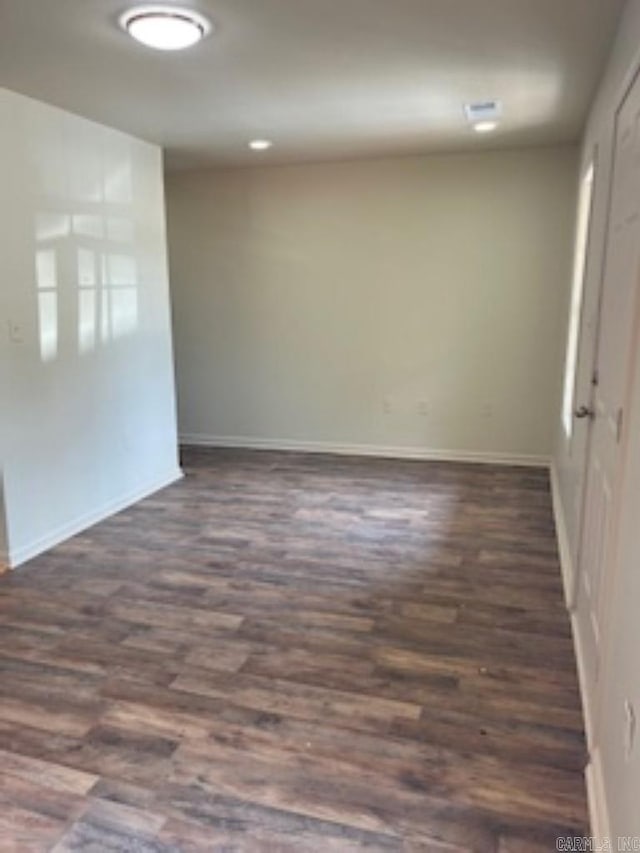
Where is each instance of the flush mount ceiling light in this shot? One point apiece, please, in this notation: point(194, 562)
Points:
point(484, 116)
point(165, 27)
point(485, 126)
point(260, 144)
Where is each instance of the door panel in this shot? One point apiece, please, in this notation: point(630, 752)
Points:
point(618, 299)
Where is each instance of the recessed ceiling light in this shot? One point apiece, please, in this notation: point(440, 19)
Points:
point(165, 27)
point(485, 126)
point(484, 116)
point(260, 144)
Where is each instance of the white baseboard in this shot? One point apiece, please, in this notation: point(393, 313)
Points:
point(582, 680)
point(382, 451)
point(17, 556)
point(564, 549)
point(598, 811)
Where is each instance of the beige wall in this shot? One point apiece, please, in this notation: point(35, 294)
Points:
point(410, 304)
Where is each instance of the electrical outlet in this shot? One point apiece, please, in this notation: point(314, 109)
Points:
point(423, 408)
point(630, 728)
point(386, 406)
point(16, 332)
point(487, 410)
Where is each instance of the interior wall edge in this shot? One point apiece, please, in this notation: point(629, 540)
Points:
point(18, 556)
point(562, 535)
point(213, 169)
point(382, 451)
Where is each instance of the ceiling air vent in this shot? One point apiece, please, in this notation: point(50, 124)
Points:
point(482, 111)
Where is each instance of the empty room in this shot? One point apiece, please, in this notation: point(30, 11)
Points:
point(320, 426)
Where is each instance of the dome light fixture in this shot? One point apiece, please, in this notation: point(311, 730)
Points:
point(260, 144)
point(485, 126)
point(484, 116)
point(165, 27)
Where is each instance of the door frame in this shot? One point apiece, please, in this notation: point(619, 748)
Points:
point(593, 705)
point(627, 83)
point(595, 160)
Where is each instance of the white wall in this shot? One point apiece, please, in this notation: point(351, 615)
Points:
point(614, 777)
point(4, 542)
point(332, 305)
point(88, 410)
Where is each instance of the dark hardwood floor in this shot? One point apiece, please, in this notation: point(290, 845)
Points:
point(287, 652)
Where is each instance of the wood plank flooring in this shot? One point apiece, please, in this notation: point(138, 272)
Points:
point(286, 652)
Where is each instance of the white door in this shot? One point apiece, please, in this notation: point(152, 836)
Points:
point(618, 299)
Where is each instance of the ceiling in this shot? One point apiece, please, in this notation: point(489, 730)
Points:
point(324, 79)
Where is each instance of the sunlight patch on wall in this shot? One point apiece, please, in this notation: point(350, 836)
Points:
point(87, 303)
point(52, 226)
point(120, 230)
point(119, 306)
point(124, 312)
point(87, 308)
point(88, 225)
point(118, 181)
point(87, 281)
point(46, 269)
point(122, 271)
point(47, 281)
point(48, 312)
point(575, 314)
